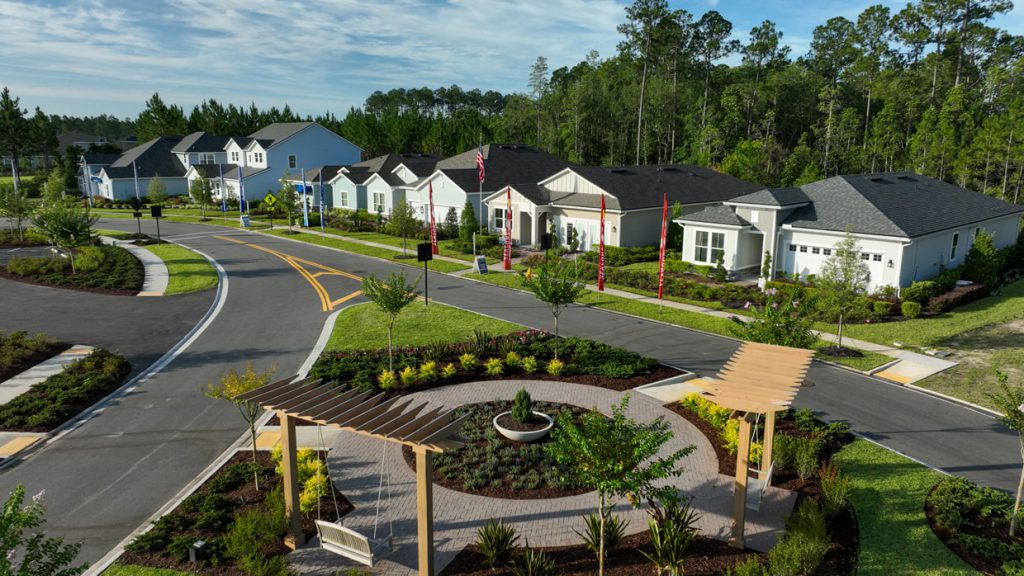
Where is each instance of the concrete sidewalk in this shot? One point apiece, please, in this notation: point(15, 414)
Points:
point(156, 272)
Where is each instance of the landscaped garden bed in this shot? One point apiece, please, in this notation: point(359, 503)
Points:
point(529, 354)
point(105, 269)
point(19, 351)
point(60, 397)
point(243, 528)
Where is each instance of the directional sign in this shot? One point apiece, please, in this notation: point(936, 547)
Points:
point(270, 200)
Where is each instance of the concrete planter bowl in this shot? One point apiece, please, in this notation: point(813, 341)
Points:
point(525, 435)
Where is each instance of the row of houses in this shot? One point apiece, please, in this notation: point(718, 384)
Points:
point(909, 226)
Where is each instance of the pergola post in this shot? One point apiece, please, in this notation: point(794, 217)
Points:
point(290, 470)
point(739, 505)
point(425, 509)
point(767, 447)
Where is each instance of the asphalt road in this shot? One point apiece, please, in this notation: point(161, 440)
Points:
point(106, 477)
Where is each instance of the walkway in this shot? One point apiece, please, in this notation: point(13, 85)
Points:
point(355, 464)
point(156, 272)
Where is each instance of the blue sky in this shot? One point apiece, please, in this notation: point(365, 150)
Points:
point(109, 56)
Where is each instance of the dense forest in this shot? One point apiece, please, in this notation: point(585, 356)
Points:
point(933, 88)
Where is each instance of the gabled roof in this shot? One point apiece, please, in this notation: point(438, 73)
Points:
point(384, 166)
point(151, 158)
point(717, 214)
point(894, 204)
point(504, 164)
point(777, 197)
point(201, 142)
point(637, 187)
point(271, 134)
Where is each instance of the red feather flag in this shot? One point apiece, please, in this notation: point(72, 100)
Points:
point(661, 252)
point(600, 251)
point(433, 223)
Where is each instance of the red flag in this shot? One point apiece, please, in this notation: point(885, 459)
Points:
point(433, 224)
point(600, 251)
point(661, 252)
point(480, 163)
point(508, 230)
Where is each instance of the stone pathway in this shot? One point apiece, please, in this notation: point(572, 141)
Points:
point(356, 460)
point(156, 272)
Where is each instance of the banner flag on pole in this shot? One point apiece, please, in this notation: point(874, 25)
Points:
point(661, 252)
point(600, 251)
point(321, 199)
point(305, 207)
point(223, 190)
point(433, 223)
point(508, 229)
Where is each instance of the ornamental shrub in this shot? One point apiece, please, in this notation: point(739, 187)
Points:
point(494, 367)
point(910, 309)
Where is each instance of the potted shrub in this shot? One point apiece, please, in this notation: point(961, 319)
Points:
point(522, 423)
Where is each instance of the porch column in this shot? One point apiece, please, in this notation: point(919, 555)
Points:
point(425, 509)
point(739, 503)
point(290, 470)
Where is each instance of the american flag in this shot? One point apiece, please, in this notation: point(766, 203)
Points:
point(480, 162)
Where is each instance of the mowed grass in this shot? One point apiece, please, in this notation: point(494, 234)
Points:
point(357, 248)
point(188, 271)
point(888, 495)
point(363, 326)
point(132, 570)
point(925, 332)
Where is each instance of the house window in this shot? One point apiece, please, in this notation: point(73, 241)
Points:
point(952, 249)
point(792, 247)
point(234, 157)
point(876, 257)
point(826, 251)
point(292, 161)
point(378, 201)
point(803, 248)
point(700, 247)
point(815, 250)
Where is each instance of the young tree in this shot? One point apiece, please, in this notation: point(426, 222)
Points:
point(618, 457)
point(32, 553)
point(201, 192)
point(403, 222)
point(233, 384)
point(1010, 401)
point(468, 223)
point(556, 283)
point(67, 226)
point(390, 296)
point(157, 190)
point(843, 279)
point(15, 207)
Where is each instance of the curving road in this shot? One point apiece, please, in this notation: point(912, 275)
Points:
point(106, 477)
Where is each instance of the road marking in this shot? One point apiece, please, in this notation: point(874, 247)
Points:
point(300, 265)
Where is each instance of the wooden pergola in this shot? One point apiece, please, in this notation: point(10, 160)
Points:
point(393, 420)
point(757, 379)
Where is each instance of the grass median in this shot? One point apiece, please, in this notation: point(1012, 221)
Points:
point(888, 494)
point(187, 270)
point(357, 248)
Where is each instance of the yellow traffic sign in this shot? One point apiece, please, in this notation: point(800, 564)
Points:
point(270, 200)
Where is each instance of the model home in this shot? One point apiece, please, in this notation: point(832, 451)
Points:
point(909, 227)
point(634, 196)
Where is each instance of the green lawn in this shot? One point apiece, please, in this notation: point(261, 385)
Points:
point(924, 332)
point(355, 247)
point(117, 569)
point(888, 495)
point(362, 326)
point(189, 272)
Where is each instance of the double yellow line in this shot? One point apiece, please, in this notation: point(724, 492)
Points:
point(300, 265)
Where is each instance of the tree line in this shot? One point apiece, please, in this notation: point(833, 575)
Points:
point(933, 88)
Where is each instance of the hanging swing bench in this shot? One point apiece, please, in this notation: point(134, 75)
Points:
point(391, 420)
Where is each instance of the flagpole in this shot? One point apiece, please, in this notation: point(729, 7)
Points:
point(305, 208)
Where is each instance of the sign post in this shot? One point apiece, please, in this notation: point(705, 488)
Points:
point(425, 253)
point(270, 201)
point(157, 212)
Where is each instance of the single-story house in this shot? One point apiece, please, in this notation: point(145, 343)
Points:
point(909, 227)
point(634, 197)
point(132, 172)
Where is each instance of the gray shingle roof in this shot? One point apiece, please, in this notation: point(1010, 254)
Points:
point(504, 164)
point(894, 204)
point(150, 158)
point(201, 142)
point(717, 214)
point(774, 197)
point(273, 133)
point(636, 187)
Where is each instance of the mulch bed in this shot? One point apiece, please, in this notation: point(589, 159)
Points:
point(25, 280)
point(707, 557)
point(252, 498)
point(33, 359)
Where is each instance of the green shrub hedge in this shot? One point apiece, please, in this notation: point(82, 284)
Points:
point(55, 400)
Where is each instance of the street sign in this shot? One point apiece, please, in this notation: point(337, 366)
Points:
point(270, 200)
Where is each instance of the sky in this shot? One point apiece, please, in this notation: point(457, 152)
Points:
point(90, 57)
